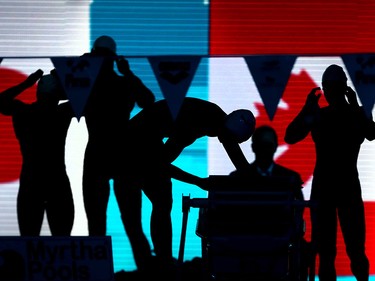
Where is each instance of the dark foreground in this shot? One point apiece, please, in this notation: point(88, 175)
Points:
point(192, 270)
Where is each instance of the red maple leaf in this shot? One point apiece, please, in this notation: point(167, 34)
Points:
point(294, 96)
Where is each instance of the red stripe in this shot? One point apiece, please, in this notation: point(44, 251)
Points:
point(291, 27)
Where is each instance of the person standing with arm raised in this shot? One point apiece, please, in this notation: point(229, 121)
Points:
point(107, 114)
point(41, 128)
point(338, 130)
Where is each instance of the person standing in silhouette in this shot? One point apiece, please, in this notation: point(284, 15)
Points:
point(150, 163)
point(338, 130)
point(41, 128)
point(107, 114)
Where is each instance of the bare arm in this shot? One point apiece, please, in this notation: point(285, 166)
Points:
point(184, 176)
point(367, 121)
point(369, 127)
point(144, 95)
point(235, 154)
point(14, 91)
point(301, 125)
point(8, 95)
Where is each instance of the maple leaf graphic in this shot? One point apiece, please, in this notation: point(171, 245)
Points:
point(300, 156)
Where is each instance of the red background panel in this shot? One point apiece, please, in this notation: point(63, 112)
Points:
point(291, 27)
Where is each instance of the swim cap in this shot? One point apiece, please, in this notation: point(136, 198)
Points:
point(105, 42)
point(240, 124)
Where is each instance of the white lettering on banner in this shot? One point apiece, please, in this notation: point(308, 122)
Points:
point(56, 258)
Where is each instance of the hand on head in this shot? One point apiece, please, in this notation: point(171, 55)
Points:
point(123, 65)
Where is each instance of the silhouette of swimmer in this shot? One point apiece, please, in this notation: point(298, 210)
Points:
point(107, 113)
point(149, 158)
point(338, 130)
point(41, 129)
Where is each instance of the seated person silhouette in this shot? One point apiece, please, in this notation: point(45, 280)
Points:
point(269, 176)
point(264, 170)
point(261, 176)
point(254, 202)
